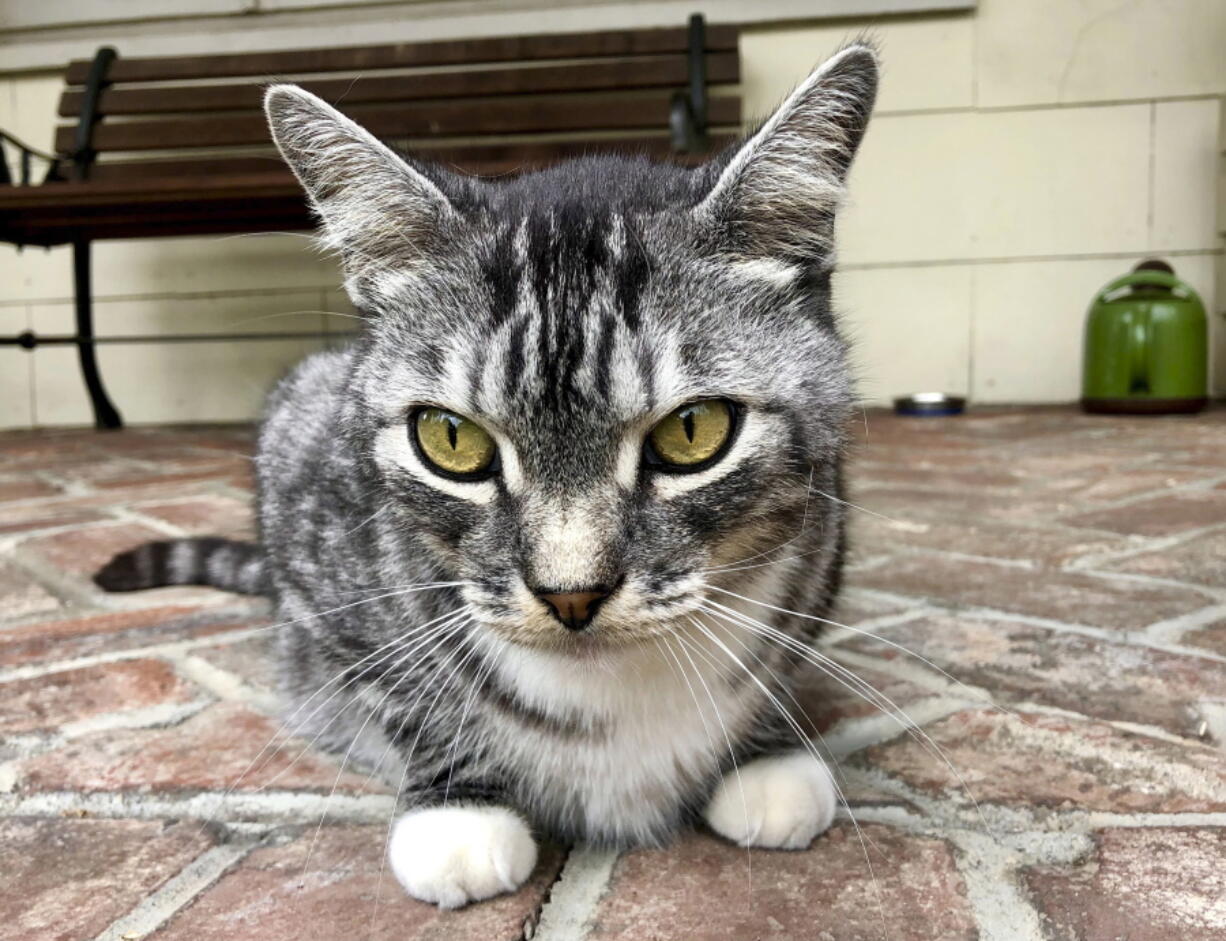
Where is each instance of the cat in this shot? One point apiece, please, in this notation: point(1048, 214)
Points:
point(546, 539)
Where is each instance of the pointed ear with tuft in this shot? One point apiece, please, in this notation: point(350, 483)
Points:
point(377, 211)
point(778, 194)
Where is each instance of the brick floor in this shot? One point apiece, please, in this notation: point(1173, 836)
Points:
point(1043, 595)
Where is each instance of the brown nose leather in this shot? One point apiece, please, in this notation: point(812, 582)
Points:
point(575, 609)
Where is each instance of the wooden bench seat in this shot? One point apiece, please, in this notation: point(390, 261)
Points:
point(154, 147)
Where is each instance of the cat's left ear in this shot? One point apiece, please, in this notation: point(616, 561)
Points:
point(377, 211)
point(777, 195)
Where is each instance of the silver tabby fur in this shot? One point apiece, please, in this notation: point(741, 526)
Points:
point(566, 311)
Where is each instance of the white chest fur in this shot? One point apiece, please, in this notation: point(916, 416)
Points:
point(648, 726)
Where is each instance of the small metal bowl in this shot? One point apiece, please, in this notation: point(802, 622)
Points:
point(929, 404)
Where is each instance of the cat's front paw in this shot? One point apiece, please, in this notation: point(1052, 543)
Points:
point(455, 855)
point(781, 802)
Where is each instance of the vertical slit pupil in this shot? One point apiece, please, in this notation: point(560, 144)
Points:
point(687, 423)
point(451, 432)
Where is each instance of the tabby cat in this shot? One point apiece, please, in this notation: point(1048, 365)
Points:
point(551, 538)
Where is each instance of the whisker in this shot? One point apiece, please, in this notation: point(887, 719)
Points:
point(407, 761)
point(412, 639)
point(736, 768)
point(353, 604)
point(804, 525)
point(888, 519)
point(397, 642)
point(370, 519)
point(971, 693)
point(865, 691)
point(443, 637)
point(809, 747)
point(455, 741)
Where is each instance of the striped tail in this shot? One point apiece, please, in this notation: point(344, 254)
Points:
point(221, 563)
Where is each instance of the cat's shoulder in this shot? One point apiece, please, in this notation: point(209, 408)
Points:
point(317, 378)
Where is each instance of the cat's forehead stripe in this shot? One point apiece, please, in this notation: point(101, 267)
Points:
point(566, 280)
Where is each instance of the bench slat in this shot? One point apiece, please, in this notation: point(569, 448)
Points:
point(520, 154)
point(439, 52)
point(251, 198)
point(464, 118)
point(671, 71)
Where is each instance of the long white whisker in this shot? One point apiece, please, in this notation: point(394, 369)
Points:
point(468, 702)
point(410, 642)
point(353, 604)
point(972, 694)
point(736, 768)
point(804, 525)
point(808, 745)
point(888, 519)
point(407, 761)
point(397, 642)
point(866, 691)
point(442, 637)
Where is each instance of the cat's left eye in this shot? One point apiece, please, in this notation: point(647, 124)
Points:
point(453, 445)
point(691, 437)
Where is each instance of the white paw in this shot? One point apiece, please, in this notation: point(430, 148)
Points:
point(455, 855)
point(781, 802)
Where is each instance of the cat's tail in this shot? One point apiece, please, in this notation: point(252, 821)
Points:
point(221, 563)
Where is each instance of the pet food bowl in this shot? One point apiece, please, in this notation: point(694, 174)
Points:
point(929, 404)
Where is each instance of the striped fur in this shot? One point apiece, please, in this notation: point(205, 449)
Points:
point(222, 563)
point(566, 311)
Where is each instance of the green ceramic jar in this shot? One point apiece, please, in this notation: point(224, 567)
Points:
point(1146, 346)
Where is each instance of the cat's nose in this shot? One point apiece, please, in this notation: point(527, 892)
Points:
point(575, 609)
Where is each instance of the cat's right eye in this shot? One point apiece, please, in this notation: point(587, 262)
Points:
point(454, 446)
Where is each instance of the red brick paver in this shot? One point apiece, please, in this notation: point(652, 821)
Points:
point(1042, 593)
point(68, 879)
point(1154, 884)
point(891, 885)
point(330, 886)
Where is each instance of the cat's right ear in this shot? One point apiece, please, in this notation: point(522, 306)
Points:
point(377, 211)
point(777, 195)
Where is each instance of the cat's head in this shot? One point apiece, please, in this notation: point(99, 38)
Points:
point(589, 387)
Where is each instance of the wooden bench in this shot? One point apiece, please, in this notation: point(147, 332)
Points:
point(155, 147)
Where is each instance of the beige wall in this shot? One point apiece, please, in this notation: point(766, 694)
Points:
point(1022, 156)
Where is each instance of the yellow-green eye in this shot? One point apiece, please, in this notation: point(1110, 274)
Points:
point(453, 443)
point(692, 434)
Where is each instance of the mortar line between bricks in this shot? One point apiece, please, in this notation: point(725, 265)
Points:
point(952, 696)
point(1142, 545)
point(295, 807)
point(999, 905)
point(940, 818)
point(583, 881)
point(127, 515)
point(1173, 630)
point(190, 612)
point(12, 542)
point(1029, 565)
point(1086, 565)
point(1208, 591)
point(1133, 638)
point(223, 684)
point(22, 747)
point(1202, 484)
point(63, 586)
point(178, 892)
point(132, 653)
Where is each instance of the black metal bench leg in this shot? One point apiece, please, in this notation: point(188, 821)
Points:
point(105, 415)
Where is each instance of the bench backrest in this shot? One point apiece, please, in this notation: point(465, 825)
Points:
point(488, 105)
